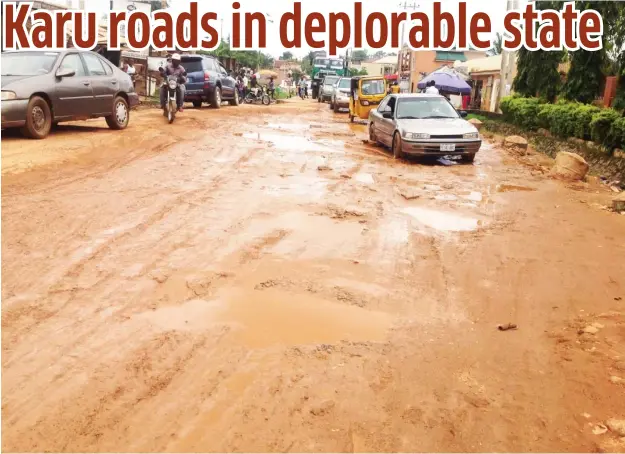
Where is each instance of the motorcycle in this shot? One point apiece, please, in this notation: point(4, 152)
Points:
point(261, 98)
point(171, 106)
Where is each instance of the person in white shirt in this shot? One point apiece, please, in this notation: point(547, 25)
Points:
point(431, 89)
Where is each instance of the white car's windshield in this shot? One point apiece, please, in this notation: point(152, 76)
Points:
point(373, 87)
point(344, 83)
point(28, 63)
point(420, 108)
point(330, 80)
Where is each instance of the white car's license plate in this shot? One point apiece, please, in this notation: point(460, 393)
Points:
point(448, 147)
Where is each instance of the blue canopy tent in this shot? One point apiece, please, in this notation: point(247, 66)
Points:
point(447, 80)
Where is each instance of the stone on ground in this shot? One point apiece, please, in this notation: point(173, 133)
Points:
point(477, 123)
point(618, 204)
point(570, 166)
point(617, 426)
point(516, 144)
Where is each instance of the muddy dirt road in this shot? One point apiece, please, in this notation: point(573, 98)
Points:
point(259, 279)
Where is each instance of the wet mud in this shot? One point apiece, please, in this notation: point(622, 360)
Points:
point(264, 279)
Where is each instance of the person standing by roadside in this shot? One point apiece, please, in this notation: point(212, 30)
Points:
point(271, 88)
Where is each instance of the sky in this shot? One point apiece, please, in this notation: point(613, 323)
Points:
point(274, 9)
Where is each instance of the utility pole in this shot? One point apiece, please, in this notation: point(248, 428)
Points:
point(508, 61)
point(405, 6)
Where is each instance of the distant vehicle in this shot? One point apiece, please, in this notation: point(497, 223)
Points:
point(423, 125)
point(322, 67)
point(327, 88)
point(340, 97)
point(208, 82)
point(40, 89)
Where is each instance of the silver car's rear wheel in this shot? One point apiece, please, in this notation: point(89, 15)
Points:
point(372, 137)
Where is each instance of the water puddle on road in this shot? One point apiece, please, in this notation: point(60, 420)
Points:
point(260, 319)
point(513, 188)
point(294, 127)
point(365, 178)
point(297, 143)
point(441, 220)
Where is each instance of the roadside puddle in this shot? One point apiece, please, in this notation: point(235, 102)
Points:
point(297, 143)
point(513, 188)
point(260, 319)
point(441, 220)
point(364, 178)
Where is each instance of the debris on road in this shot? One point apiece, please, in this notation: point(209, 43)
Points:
point(618, 204)
point(410, 193)
point(599, 429)
point(477, 123)
point(591, 329)
point(617, 426)
point(570, 166)
point(323, 408)
point(507, 327)
point(324, 168)
point(617, 380)
point(516, 145)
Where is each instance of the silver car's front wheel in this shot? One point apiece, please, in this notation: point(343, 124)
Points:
point(397, 153)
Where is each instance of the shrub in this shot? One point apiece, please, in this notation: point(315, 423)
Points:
point(601, 124)
point(582, 118)
point(524, 112)
point(545, 115)
point(616, 135)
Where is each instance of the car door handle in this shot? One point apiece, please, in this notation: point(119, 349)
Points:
point(114, 82)
point(86, 84)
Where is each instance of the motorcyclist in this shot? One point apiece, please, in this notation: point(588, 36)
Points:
point(254, 85)
point(174, 69)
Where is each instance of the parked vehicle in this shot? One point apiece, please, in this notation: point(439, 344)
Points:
point(171, 107)
point(423, 125)
point(208, 82)
point(340, 97)
point(40, 89)
point(365, 94)
point(327, 88)
point(258, 96)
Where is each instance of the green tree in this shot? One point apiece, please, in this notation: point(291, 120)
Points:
point(537, 71)
point(357, 72)
point(360, 55)
point(287, 56)
point(585, 77)
point(497, 45)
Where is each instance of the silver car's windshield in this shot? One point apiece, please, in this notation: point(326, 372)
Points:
point(344, 83)
point(373, 87)
point(420, 108)
point(330, 80)
point(28, 63)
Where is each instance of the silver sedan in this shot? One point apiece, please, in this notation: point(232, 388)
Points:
point(423, 125)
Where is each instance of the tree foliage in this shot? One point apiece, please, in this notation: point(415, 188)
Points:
point(360, 55)
point(357, 72)
point(537, 71)
point(246, 58)
point(584, 80)
point(497, 45)
point(287, 55)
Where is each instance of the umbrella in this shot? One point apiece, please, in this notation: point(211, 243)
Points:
point(446, 80)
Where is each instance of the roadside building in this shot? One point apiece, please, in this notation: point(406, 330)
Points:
point(283, 67)
point(381, 67)
point(486, 76)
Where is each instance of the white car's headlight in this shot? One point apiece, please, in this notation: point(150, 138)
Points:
point(472, 135)
point(416, 135)
point(6, 95)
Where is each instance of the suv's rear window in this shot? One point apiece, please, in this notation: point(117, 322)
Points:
point(193, 66)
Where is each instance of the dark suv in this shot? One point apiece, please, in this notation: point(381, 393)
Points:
point(208, 81)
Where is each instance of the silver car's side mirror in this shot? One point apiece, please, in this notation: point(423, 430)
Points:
point(67, 72)
point(387, 115)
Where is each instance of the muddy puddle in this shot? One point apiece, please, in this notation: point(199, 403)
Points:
point(442, 221)
point(260, 319)
point(514, 188)
point(297, 143)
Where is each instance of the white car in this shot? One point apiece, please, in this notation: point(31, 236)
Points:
point(340, 97)
point(423, 125)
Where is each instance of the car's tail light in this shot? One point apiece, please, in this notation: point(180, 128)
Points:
point(207, 77)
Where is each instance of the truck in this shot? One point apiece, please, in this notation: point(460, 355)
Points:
point(325, 66)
